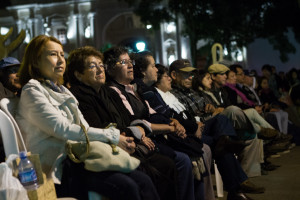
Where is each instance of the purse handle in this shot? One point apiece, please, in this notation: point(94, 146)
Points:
point(115, 150)
point(69, 146)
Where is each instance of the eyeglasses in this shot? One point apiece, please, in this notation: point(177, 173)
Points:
point(94, 66)
point(126, 62)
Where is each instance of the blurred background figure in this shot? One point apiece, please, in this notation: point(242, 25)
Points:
point(9, 67)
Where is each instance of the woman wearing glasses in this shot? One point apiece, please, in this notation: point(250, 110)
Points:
point(120, 75)
point(85, 71)
point(48, 115)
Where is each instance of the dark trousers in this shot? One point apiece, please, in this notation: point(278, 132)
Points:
point(76, 182)
point(215, 127)
point(231, 171)
point(229, 167)
point(162, 171)
point(184, 170)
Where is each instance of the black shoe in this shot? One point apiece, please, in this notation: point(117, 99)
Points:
point(237, 196)
point(268, 133)
point(276, 147)
point(249, 187)
point(269, 166)
point(226, 144)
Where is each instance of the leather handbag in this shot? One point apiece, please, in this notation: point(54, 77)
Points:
point(98, 156)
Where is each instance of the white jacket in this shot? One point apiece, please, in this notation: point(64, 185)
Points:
point(47, 119)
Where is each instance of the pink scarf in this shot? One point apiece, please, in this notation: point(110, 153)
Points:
point(242, 95)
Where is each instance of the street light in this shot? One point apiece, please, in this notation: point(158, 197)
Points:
point(140, 46)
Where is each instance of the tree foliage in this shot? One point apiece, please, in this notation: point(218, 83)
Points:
point(229, 22)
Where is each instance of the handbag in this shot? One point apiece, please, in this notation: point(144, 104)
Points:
point(98, 156)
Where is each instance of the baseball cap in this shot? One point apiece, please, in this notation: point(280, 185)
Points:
point(183, 65)
point(9, 61)
point(217, 69)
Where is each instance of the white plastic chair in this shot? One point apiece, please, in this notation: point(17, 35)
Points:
point(8, 134)
point(219, 182)
point(9, 107)
point(11, 134)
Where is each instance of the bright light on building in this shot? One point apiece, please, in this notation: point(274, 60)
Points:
point(149, 26)
point(171, 27)
point(87, 32)
point(140, 46)
point(27, 38)
point(239, 56)
point(225, 51)
point(171, 59)
point(3, 30)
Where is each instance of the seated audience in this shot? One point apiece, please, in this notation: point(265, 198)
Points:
point(48, 116)
point(216, 128)
point(86, 75)
point(120, 75)
point(145, 73)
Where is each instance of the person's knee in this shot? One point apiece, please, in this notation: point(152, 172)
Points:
point(182, 160)
point(233, 109)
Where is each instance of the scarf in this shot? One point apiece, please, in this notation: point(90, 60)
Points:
point(172, 101)
point(242, 95)
point(56, 88)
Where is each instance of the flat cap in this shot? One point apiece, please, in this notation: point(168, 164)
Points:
point(217, 69)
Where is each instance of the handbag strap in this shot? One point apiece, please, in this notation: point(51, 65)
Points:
point(86, 138)
point(113, 146)
point(69, 147)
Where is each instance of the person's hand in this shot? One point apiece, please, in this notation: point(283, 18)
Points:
point(200, 129)
point(127, 144)
point(178, 128)
point(148, 143)
point(142, 131)
point(218, 110)
point(209, 108)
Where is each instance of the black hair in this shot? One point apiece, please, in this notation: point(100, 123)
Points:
point(141, 63)
point(234, 67)
point(197, 80)
point(161, 71)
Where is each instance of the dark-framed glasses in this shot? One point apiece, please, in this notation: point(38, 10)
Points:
point(94, 66)
point(126, 62)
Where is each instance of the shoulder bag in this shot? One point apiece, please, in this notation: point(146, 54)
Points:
point(98, 156)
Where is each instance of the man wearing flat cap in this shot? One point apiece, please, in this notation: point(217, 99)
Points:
point(218, 75)
point(182, 73)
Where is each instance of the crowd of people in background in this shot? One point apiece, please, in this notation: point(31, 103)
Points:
point(185, 118)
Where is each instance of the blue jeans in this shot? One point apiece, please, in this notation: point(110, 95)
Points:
point(185, 176)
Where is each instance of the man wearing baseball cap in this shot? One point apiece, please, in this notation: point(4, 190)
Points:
point(181, 72)
point(9, 67)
